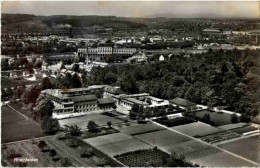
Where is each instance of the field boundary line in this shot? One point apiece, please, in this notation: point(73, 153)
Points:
point(27, 118)
point(7, 143)
point(250, 161)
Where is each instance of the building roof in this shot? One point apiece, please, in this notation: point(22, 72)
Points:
point(182, 102)
point(112, 90)
point(133, 100)
point(106, 101)
point(84, 98)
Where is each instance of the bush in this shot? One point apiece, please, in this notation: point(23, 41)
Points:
point(92, 126)
point(72, 143)
point(61, 137)
point(102, 162)
point(87, 153)
point(65, 162)
point(175, 121)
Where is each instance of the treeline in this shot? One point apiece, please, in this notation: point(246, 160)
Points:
point(215, 79)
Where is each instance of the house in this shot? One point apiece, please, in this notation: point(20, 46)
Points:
point(139, 57)
point(183, 103)
point(26, 74)
point(161, 58)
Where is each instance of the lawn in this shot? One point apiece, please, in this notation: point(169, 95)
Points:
point(82, 121)
point(196, 129)
point(135, 129)
point(218, 118)
point(16, 127)
point(246, 147)
point(116, 144)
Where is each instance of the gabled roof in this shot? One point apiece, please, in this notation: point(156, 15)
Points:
point(106, 101)
point(84, 98)
point(113, 90)
point(182, 102)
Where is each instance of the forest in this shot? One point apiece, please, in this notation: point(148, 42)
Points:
point(219, 78)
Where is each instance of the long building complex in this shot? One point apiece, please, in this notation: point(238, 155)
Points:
point(101, 52)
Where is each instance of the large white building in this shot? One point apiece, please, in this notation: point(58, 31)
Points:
point(78, 101)
point(101, 52)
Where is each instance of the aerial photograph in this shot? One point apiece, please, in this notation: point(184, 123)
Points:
point(130, 83)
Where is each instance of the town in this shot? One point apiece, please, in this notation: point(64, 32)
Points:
point(108, 91)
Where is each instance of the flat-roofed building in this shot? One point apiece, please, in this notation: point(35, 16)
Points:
point(77, 101)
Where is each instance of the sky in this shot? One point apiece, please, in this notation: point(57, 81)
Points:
point(135, 8)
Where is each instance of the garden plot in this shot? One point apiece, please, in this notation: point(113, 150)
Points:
point(140, 128)
point(193, 150)
point(169, 141)
point(116, 144)
point(82, 121)
point(246, 147)
point(196, 129)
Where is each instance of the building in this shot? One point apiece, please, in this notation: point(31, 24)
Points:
point(127, 101)
point(64, 57)
point(161, 58)
point(78, 101)
point(102, 51)
point(139, 57)
point(183, 103)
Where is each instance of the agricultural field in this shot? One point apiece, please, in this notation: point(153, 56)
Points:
point(217, 117)
point(16, 127)
point(82, 121)
point(135, 129)
point(246, 147)
point(196, 129)
point(195, 151)
point(116, 144)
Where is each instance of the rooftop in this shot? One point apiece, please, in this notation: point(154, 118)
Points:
point(106, 101)
point(182, 102)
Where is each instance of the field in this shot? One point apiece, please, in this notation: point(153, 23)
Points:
point(196, 129)
point(16, 127)
point(29, 150)
point(135, 129)
point(195, 151)
point(116, 144)
point(82, 121)
point(218, 118)
point(246, 147)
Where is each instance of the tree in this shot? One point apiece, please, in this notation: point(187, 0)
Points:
point(50, 125)
point(76, 81)
point(74, 130)
point(65, 162)
point(170, 108)
point(206, 116)
point(92, 126)
point(42, 144)
point(109, 124)
point(75, 67)
point(62, 66)
point(135, 108)
point(87, 152)
point(234, 118)
point(47, 108)
point(53, 153)
point(46, 83)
